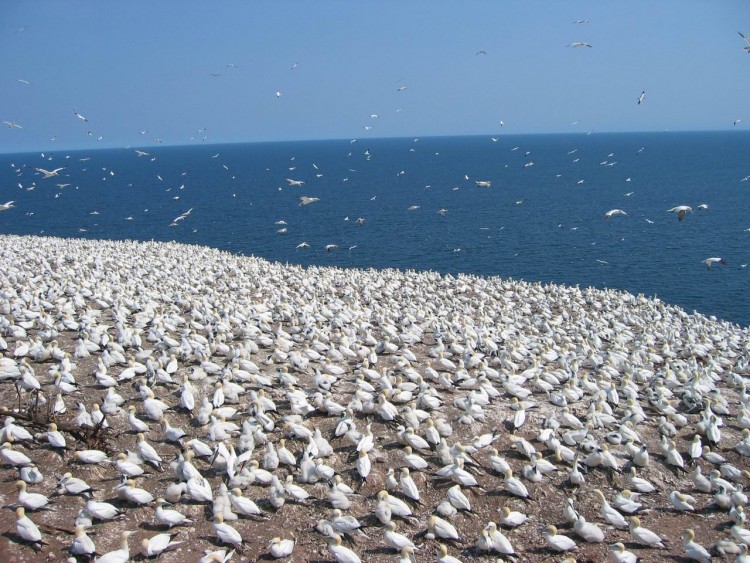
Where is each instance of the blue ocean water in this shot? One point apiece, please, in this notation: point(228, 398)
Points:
point(542, 219)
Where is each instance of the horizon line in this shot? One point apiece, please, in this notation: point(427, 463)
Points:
point(351, 139)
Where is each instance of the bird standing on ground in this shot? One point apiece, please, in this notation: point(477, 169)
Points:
point(26, 528)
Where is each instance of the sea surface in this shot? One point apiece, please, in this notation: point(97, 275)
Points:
point(542, 218)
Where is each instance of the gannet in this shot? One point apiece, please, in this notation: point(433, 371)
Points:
point(50, 173)
point(714, 260)
point(681, 211)
point(613, 212)
point(557, 542)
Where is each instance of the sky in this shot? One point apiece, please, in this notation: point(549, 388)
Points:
point(185, 72)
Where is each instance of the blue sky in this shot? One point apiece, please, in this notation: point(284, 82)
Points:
point(147, 66)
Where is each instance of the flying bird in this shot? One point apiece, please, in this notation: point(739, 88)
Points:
point(736, 121)
point(581, 21)
point(714, 260)
point(483, 184)
point(401, 89)
point(78, 115)
point(579, 44)
point(304, 200)
point(481, 52)
point(48, 173)
point(747, 41)
point(295, 182)
point(12, 125)
point(613, 212)
point(641, 97)
point(681, 211)
point(7, 205)
point(141, 153)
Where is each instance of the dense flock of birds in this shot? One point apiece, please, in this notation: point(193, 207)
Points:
point(91, 129)
point(358, 414)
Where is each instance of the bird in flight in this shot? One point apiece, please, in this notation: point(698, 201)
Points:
point(295, 182)
point(613, 212)
point(581, 21)
point(78, 115)
point(12, 125)
point(304, 200)
point(483, 184)
point(736, 121)
point(141, 153)
point(48, 173)
point(641, 97)
point(7, 205)
point(182, 217)
point(714, 260)
point(401, 89)
point(482, 52)
point(747, 41)
point(579, 44)
point(681, 211)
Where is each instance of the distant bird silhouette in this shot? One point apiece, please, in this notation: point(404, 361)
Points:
point(304, 200)
point(579, 44)
point(641, 97)
point(747, 41)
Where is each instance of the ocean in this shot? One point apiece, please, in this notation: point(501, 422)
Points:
point(414, 204)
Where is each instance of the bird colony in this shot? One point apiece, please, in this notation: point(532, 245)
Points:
point(186, 404)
